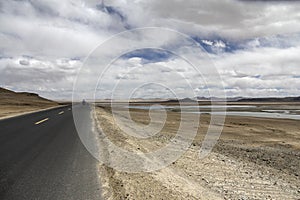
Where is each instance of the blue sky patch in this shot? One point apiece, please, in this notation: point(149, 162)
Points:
point(149, 55)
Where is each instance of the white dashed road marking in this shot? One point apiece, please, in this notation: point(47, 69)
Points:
point(41, 121)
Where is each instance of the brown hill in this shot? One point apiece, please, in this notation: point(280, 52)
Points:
point(8, 97)
point(12, 103)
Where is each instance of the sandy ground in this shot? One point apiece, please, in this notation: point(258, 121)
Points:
point(255, 158)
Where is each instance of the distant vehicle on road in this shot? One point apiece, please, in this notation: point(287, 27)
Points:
point(83, 102)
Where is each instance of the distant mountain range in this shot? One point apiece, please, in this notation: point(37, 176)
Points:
point(219, 99)
point(246, 99)
point(271, 99)
point(26, 98)
point(240, 99)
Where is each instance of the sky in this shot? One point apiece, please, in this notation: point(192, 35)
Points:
point(254, 46)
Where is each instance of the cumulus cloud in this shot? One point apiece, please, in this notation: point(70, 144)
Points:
point(45, 77)
point(229, 18)
point(255, 46)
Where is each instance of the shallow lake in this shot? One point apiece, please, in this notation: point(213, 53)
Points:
point(279, 114)
point(160, 107)
point(258, 114)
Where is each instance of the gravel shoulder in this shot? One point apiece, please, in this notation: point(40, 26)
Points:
point(253, 159)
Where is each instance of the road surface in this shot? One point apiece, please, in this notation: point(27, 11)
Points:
point(42, 157)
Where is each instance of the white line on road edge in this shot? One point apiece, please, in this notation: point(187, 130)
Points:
point(43, 120)
point(62, 112)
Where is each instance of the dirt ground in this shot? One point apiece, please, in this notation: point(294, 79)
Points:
point(255, 158)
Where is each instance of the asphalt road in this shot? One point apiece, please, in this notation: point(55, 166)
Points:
point(42, 157)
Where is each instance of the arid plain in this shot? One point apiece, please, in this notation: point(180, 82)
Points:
point(255, 158)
